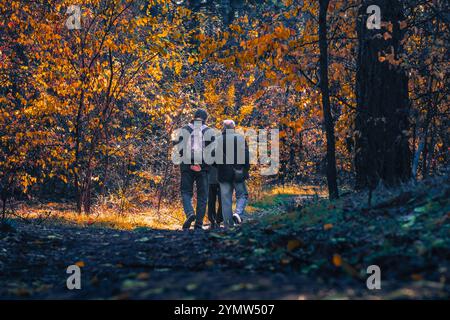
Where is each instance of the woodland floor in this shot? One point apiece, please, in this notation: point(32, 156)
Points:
point(289, 250)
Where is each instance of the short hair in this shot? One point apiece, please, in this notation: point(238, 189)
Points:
point(228, 124)
point(201, 114)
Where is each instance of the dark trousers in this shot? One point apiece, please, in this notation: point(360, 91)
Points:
point(214, 216)
point(188, 178)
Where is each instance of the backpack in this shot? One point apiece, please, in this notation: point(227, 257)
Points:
point(196, 143)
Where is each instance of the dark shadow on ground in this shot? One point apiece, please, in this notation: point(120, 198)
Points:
point(153, 264)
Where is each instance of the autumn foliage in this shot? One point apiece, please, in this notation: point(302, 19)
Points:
point(87, 113)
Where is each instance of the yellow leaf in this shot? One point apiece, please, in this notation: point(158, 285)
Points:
point(246, 110)
point(250, 80)
point(191, 60)
point(298, 87)
point(178, 67)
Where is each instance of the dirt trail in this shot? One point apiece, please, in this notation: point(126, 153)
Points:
point(129, 264)
point(147, 264)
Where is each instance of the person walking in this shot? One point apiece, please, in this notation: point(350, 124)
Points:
point(193, 168)
point(233, 164)
point(214, 212)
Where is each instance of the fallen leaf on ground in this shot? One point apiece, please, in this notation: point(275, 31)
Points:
point(143, 276)
point(293, 244)
point(80, 264)
point(337, 260)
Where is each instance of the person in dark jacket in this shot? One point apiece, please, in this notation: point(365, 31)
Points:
point(193, 168)
point(233, 164)
point(214, 213)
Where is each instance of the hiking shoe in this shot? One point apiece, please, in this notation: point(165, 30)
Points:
point(188, 222)
point(237, 219)
point(197, 227)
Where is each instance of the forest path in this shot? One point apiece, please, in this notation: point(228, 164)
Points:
point(152, 264)
point(143, 263)
point(284, 252)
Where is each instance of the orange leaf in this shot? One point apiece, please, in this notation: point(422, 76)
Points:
point(143, 276)
point(293, 244)
point(403, 24)
point(417, 277)
point(80, 264)
point(327, 226)
point(337, 260)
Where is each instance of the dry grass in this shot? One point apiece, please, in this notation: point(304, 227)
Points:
point(297, 190)
point(279, 194)
point(170, 216)
point(166, 218)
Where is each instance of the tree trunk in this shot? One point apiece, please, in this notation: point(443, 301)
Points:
point(430, 155)
point(329, 124)
point(4, 209)
point(87, 194)
point(415, 163)
point(381, 137)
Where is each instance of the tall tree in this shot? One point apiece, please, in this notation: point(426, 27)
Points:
point(381, 137)
point(324, 87)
